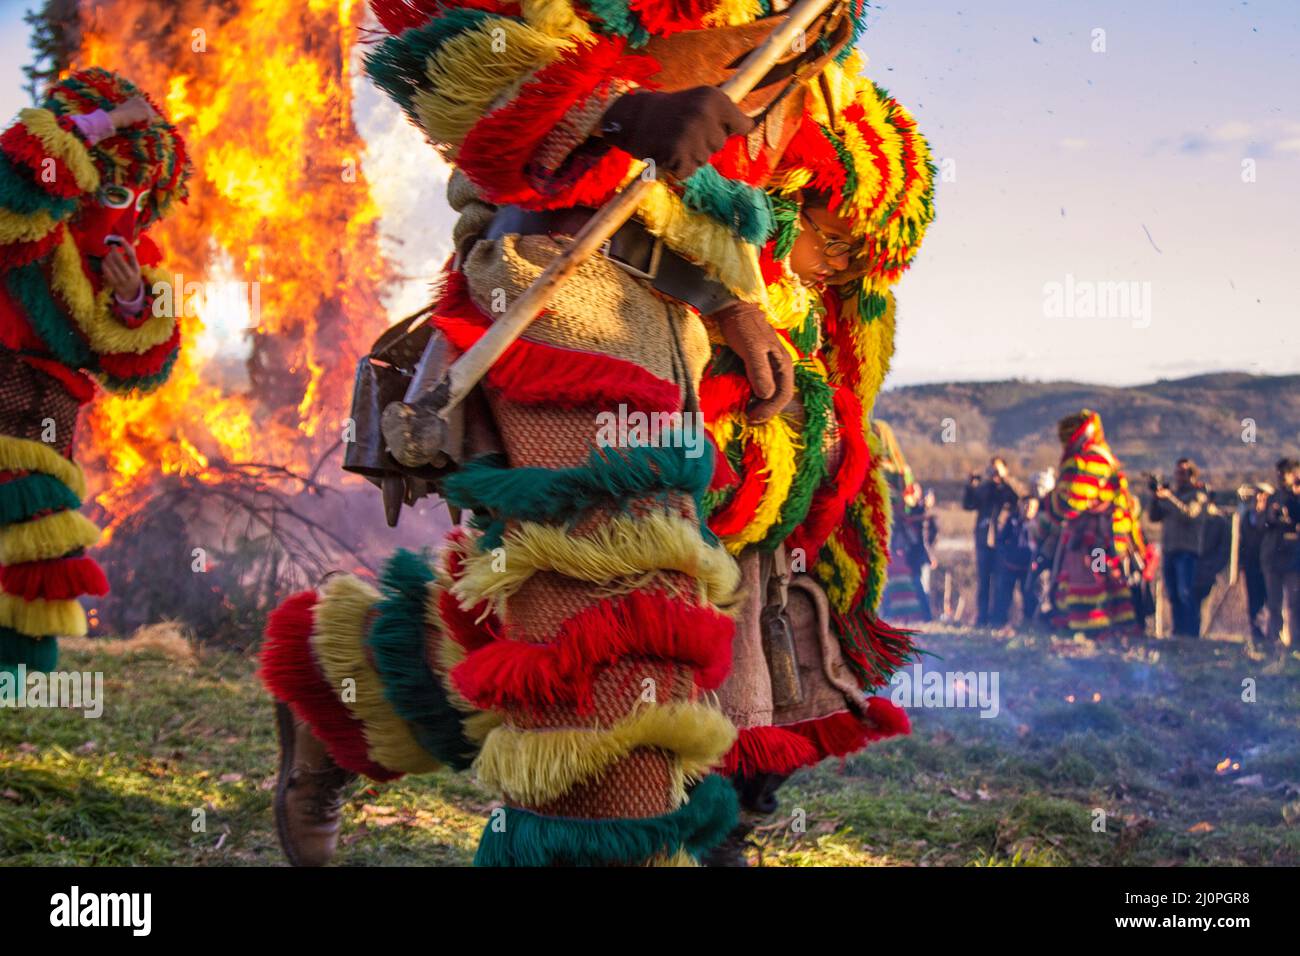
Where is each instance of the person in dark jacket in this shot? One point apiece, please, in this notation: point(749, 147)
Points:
point(1014, 554)
point(1215, 553)
point(992, 496)
point(1180, 510)
point(1280, 553)
point(1253, 508)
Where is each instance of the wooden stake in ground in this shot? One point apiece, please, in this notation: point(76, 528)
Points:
point(408, 427)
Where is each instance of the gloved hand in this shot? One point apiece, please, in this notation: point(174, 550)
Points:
point(679, 131)
point(768, 365)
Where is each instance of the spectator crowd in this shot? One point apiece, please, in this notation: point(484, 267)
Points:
point(1069, 544)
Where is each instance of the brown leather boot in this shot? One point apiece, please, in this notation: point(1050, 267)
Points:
point(309, 793)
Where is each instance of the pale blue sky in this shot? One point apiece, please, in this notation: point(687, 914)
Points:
point(1116, 166)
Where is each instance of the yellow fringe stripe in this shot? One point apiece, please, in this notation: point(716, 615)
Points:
point(880, 556)
point(556, 17)
point(706, 242)
point(337, 640)
point(873, 189)
point(22, 454)
point(41, 618)
point(106, 335)
point(788, 303)
point(779, 443)
point(51, 536)
point(471, 70)
point(59, 143)
point(873, 345)
point(840, 593)
point(25, 227)
point(730, 13)
point(539, 766)
point(622, 554)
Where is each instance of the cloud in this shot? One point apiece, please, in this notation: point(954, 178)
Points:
point(1238, 138)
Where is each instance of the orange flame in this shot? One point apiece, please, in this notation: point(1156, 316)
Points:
point(277, 249)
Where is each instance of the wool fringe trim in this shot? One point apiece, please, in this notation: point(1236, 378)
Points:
point(621, 554)
point(27, 496)
point(92, 313)
point(62, 145)
point(551, 494)
point(785, 748)
point(52, 536)
point(648, 625)
point(766, 749)
point(469, 71)
point(42, 618)
point(34, 653)
point(827, 510)
point(338, 640)
point(538, 766)
point(529, 839)
point(289, 671)
point(59, 579)
point(21, 454)
point(397, 643)
point(779, 444)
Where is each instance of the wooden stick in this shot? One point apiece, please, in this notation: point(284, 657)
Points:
point(467, 370)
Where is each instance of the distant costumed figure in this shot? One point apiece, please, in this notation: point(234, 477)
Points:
point(82, 178)
point(906, 599)
point(1098, 553)
point(569, 640)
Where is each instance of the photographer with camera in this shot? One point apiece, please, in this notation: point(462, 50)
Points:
point(1180, 510)
point(1280, 553)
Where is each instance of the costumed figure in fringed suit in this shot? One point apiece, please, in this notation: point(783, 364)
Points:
point(800, 497)
point(1094, 536)
point(81, 179)
point(905, 598)
point(567, 641)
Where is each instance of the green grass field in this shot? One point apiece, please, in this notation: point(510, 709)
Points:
point(187, 729)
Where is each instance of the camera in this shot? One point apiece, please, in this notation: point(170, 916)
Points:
point(1155, 482)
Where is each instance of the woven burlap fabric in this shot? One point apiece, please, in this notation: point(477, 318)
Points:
point(746, 695)
point(31, 402)
point(642, 783)
point(602, 310)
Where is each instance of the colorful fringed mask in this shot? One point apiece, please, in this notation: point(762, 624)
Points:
point(143, 169)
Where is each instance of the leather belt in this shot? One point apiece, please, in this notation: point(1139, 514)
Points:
point(632, 248)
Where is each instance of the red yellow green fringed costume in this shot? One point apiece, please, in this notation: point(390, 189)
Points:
point(813, 479)
point(1095, 535)
point(903, 600)
point(62, 330)
point(568, 642)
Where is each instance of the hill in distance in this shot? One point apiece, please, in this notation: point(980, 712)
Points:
point(1233, 424)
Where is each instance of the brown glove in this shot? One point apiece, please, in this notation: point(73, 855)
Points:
point(768, 365)
point(679, 131)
